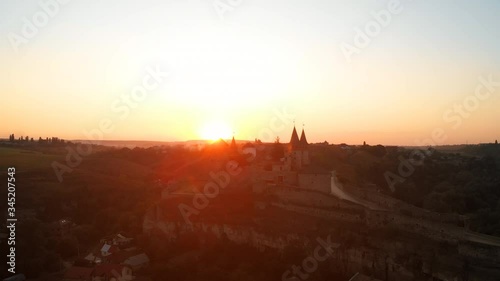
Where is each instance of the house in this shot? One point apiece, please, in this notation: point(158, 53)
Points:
point(93, 258)
point(118, 239)
point(105, 253)
point(78, 273)
point(112, 272)
point(296, 170)
point(108, 249)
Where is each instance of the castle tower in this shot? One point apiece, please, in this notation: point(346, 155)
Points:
point(233, 150)
point(294, 140)
point(232, 146)
point(294, 153)
point(304, 148)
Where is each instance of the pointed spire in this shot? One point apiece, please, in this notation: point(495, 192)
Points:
point(294, 141)
point(233, 144)
point(303, 140)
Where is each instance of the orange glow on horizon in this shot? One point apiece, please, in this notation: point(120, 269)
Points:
point(215, 130)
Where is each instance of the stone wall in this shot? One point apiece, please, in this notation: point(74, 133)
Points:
point(388, 260)
point(321, 213)
point(382, 220)
point(234, 233)
point(404, 208)
point(309, 198)
point(316, 182)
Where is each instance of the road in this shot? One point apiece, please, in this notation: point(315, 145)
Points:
point(338, 192)
point(468, 235)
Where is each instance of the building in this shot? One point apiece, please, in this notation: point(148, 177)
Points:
point(297, 154)
point(108, 249)
point(119, 240)
point(295, 169)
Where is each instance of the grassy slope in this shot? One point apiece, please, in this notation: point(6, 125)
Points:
point(26, 160)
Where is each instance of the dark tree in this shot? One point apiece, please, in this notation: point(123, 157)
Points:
point(278, 151)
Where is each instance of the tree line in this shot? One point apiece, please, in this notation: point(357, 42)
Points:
point(51, 140)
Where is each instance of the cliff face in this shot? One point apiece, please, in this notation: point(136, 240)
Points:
point(385, 253)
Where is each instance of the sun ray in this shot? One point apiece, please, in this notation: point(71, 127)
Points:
point(215, 130)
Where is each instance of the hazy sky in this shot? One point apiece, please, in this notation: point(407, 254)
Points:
point(234, 69)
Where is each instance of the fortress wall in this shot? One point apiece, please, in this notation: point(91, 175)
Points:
point(314, 199)
point(316, 182)
point(315, 212)
point(378, 219)
point(236, 234)
point(305, 197)
point(372, 196)
point(413, 211)
point(381, 264)
point(434, 230)
point(407, 209)
point(387, 263)
point(289, 177)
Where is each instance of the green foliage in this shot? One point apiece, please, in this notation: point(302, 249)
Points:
point(452, 183)
point(225, 260)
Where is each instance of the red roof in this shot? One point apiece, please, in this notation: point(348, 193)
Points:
point(110, 248)
point(78, 273)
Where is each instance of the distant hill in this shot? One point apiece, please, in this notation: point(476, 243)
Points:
point(146, 144)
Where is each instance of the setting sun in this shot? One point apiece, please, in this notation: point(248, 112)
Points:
point(258, 140)
point(216, 130)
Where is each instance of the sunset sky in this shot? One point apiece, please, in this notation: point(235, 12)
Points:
point(232, 71)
